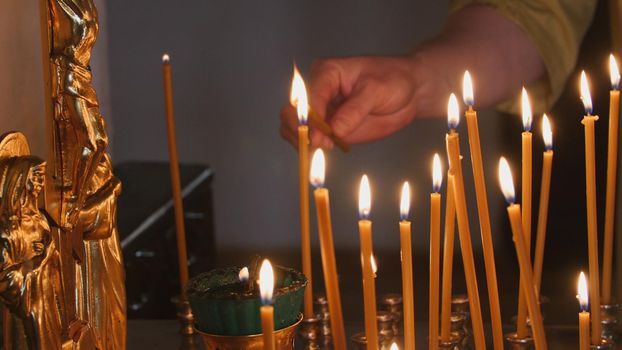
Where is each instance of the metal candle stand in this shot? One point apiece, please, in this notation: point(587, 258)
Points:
point(609, 322)
point(393, 303)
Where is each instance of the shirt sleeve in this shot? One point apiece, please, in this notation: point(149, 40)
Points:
point(556, 28)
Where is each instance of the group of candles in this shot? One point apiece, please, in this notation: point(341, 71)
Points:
point(456, 210)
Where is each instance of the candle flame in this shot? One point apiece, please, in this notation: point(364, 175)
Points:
point(298, 97)
point(615, 72)
point(526, 108)
point(547, 133)
point(394, 346)
point(266, 282)
point(318, 168)
point(243, 274)
point(437, 173)
point(166, 58)
point(374, 265)
point(405, 201)
point(506, 181)
point(453, 112)
point(582, 292)
point(467, 89)
point(364, 198)
point(585, 94)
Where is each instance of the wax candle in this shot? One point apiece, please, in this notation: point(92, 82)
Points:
point(435, 251)
point(448, 259)
point(407, 269)
point(299, 96)
point(464, 231)
point(369, 283)
point(180, 229)
point(483, 212)
point(543, 209)
point(266, 288)
point(592, 223)
point(521, 325)
point(584, 315)
point(612, 167)
point(527, 288)
point(327, 249)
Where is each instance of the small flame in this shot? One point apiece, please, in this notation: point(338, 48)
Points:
point(547, 133)
point(585, 94)
point(266, 282)
point(394, 346)
point(298, 97)
point(615, 73)
point(405, 201)
point(437, 173)
point(243, 274)
point(526, 108)
point(505, 179)
point(374, 265)
point(318, 168)
point(364, 198)
point(582, 290)
point(467, 89)
point(166, 58)
point(453, 112)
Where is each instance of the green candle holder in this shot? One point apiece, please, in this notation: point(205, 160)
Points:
point(222, 305)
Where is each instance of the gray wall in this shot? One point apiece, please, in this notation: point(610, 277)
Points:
point(232, 69)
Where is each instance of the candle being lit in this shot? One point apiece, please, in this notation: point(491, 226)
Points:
point(545, 187)
point(483, 212)
point(526, 273)
point(592, 220)
point(327, 249)
point(584, 315)
point(527, 162)
point(435, 251)
point(369, 283)
point(407, 268)
point(453, 150)
point(243, 274)
point(266, 289)
point(298, 98)
point(612, 168)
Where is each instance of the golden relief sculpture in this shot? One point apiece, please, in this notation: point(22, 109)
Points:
point(61, 271)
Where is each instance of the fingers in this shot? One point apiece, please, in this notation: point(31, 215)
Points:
point(354, 110)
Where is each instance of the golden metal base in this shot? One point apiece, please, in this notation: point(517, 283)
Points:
point(284, 339)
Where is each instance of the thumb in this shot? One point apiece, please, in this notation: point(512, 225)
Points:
point(353, 111)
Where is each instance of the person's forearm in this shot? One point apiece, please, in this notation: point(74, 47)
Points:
point(499, 54)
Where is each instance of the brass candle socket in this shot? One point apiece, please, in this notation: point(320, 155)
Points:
point(393, 303)
point(310, 333)
point(604, 345)
point(516, 343)
point(321, 305)
point(459, 332)
point(284, 340)
point(360, 342)
point(452, 344)
point(385, 328)
point(609, 321)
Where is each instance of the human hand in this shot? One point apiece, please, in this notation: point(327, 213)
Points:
point(362, 98)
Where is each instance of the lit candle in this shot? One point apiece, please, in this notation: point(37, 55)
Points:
point(407, 269)
point(299, 96)
point(584, 315)
point(448, 259)
point(435, 251)
point(266, 288)
point(394, 346)
point(243, 274)
point(521, 325)
point(483, 212)
point(545, 187)
point(464, 231)
point(329, 265)
point(612, 164)
point(592, 223)
point(369, 283)
point(526, 273)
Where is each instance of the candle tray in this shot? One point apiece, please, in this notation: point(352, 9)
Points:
point(224, 306)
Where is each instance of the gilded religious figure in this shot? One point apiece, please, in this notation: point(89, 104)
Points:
point(61, 273)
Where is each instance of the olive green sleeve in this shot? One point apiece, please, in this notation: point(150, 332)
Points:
point(556, 28)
